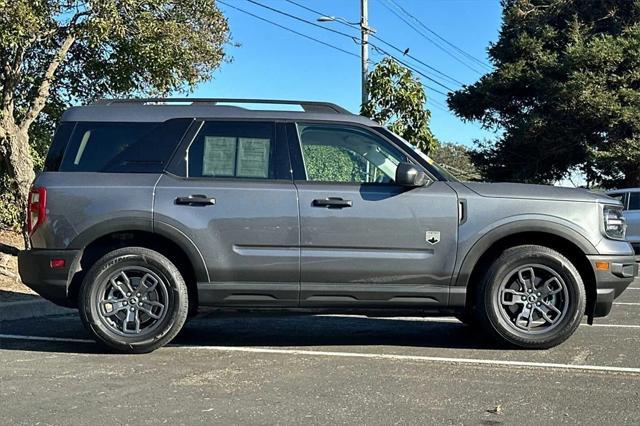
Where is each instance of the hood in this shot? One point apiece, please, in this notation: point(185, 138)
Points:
point(537, 192)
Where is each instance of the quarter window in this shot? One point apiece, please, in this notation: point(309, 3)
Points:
point(233, 150)
point(347, 154)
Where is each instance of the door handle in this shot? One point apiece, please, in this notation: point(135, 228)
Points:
point(195, 200)
point(332, 203)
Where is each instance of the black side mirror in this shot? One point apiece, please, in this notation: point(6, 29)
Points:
point(408, 175)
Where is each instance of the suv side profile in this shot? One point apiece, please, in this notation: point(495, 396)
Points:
point(148, 209)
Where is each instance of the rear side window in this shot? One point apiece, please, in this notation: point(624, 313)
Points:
point(235, 150)
point(58, 146)
point(122, 147)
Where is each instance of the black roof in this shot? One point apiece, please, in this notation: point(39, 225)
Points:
point(162, 109)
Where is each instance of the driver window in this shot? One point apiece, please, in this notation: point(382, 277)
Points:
point(334, 153)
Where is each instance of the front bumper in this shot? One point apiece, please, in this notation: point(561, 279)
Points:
point(52, 284)
point(610, 283)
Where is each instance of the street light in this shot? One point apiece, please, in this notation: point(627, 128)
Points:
point(364, 41)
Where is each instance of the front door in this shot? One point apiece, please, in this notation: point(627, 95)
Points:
point(235, 199)
point(366, 241)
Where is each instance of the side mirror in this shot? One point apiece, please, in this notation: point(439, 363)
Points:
point(408, 175)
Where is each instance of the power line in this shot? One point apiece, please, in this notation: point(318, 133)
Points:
point(397, 49)
point(289, 29)
point(354, 38)
point(422, 24)
point(425, 36)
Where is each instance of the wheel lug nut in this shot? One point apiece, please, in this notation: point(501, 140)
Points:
point(133, 309)
point(524, 298)
point(528, 305)
point(128, 294)
point(138, 295)
point(538, 303)
point(140, 304)
point(539, 293)
point(124, 303)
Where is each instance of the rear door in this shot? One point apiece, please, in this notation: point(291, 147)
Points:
point(232, 194)
point(366, 241)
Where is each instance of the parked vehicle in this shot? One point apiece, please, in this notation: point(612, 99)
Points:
point(630, 199)
point(149, 209)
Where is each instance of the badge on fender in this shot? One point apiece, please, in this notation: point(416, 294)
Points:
point(432, 237)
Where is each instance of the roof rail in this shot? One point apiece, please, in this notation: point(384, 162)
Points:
point(307, 106)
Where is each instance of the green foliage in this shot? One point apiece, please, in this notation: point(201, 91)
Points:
point(397, 100)
point(333, 164)
point(565, 91)
point(456, 159)
point(56, 53)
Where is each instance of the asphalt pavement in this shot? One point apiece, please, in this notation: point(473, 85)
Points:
point(322, 369)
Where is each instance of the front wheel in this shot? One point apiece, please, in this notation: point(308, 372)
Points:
point(531, 297)
point(133, 300)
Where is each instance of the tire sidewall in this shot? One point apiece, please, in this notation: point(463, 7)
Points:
point(177, 304)
point(504, 266)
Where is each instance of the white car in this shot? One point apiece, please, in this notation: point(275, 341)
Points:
point(630, 198)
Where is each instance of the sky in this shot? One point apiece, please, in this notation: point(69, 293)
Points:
point(270, 62)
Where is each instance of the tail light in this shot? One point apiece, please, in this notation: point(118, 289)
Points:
point(37, 210)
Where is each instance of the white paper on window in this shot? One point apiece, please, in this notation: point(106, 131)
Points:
point(253, 157)
point(219, 156)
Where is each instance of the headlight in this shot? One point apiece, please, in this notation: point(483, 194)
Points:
point(615, 225)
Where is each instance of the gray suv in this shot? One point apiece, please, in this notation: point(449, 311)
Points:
point(149, 209)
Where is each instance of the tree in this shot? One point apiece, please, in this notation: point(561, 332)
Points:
point(57, 52)
point(456, 159)
point(397, 100)
point(565, 92)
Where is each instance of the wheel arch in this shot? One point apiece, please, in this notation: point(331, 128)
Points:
point(564, 240)
point(166, 240)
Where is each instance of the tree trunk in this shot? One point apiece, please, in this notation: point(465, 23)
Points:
point(17, 157)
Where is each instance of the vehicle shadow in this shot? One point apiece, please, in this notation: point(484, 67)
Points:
point(275, 330)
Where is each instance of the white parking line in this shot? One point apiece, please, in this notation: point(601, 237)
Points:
point(45, 338)
point(415, 358)
point(445, 360)
point(633, 288)
point(627, 303)
point(454, 320)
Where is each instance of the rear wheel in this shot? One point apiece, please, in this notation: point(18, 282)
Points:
point(133, 300)
point(531, 297)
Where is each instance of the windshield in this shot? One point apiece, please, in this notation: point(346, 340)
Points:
point(426, 159)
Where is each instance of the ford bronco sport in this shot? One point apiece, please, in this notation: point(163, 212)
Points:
point(148, 209)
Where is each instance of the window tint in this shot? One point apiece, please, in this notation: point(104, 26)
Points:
point(234, 150)
point(347, 154)
point(56, 150)
point(634, 201)
point(122, 147)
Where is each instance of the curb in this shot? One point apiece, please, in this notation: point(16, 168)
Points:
point(25, 309)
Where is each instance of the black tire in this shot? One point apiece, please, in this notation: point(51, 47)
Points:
point(497, 306)
point(102, 300)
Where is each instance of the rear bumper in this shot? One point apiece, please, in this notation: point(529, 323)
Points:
point(52, 284)
point(610, 283)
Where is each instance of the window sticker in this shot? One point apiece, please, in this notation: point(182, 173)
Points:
point(219, 156)
point(253, 157)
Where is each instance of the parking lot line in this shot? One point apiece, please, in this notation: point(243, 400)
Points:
point(447, 360)
point(415, 358)
point(45, 338)
point(627, 303)
point(454, 320)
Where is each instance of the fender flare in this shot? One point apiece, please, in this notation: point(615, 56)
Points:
point(171, 233)
point(566, 231)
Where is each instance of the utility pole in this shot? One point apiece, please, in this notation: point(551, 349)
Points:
point(364, 46)
point(364, 41)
